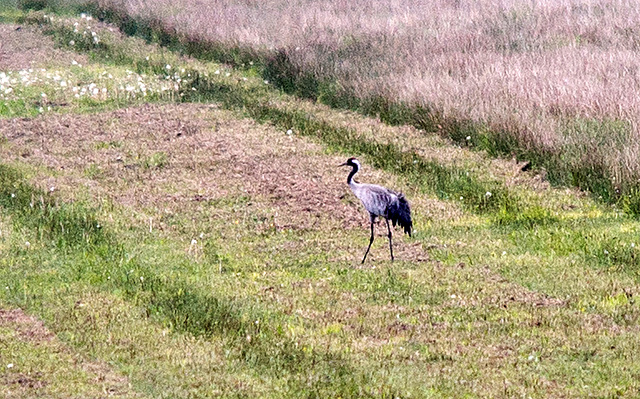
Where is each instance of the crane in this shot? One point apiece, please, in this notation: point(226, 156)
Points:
point(380, 201)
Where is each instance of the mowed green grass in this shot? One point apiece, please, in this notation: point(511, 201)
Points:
point(193, 248)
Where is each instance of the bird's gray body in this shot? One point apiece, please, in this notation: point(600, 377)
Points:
point(380, 201)
point(376, 199)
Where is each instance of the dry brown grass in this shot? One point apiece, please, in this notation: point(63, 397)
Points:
point(24, 47)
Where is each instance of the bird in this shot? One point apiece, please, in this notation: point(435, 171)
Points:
point(380, 202)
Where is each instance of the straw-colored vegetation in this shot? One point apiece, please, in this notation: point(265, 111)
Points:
point(199, 241)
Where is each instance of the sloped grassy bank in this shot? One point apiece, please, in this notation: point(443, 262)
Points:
point(572, 165)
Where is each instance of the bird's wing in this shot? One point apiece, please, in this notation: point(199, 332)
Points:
point(375, 198)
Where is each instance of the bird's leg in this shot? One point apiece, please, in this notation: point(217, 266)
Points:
point(370, 242)
point(390, 245)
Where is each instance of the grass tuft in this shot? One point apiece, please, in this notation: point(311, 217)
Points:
point(69, 225)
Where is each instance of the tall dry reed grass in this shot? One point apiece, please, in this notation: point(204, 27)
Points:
point(561, 77)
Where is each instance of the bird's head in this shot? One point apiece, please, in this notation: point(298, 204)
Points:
point(353, 162)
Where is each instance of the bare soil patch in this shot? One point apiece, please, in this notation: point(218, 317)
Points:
point(177, 157)
point(28, 327)
point(23, 47)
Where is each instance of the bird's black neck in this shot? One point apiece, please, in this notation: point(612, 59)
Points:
point(353, 172)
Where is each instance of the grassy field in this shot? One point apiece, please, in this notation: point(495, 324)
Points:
point(552, 83)
point(177, 228)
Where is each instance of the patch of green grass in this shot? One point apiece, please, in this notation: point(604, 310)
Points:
point(92, 171)
point(69, 225)
point(526, 218)
point(17, 108)
point(106, 145)
point(386, 285)
point(157, 160)
point(9, 13)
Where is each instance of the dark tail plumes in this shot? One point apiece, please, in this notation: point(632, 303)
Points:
point(400, 213)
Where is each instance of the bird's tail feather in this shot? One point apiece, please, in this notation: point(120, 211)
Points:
point(400, 213)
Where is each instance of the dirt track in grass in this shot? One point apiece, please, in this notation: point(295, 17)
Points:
point(31, 331)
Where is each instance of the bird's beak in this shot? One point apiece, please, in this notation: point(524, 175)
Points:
point(342, 164)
